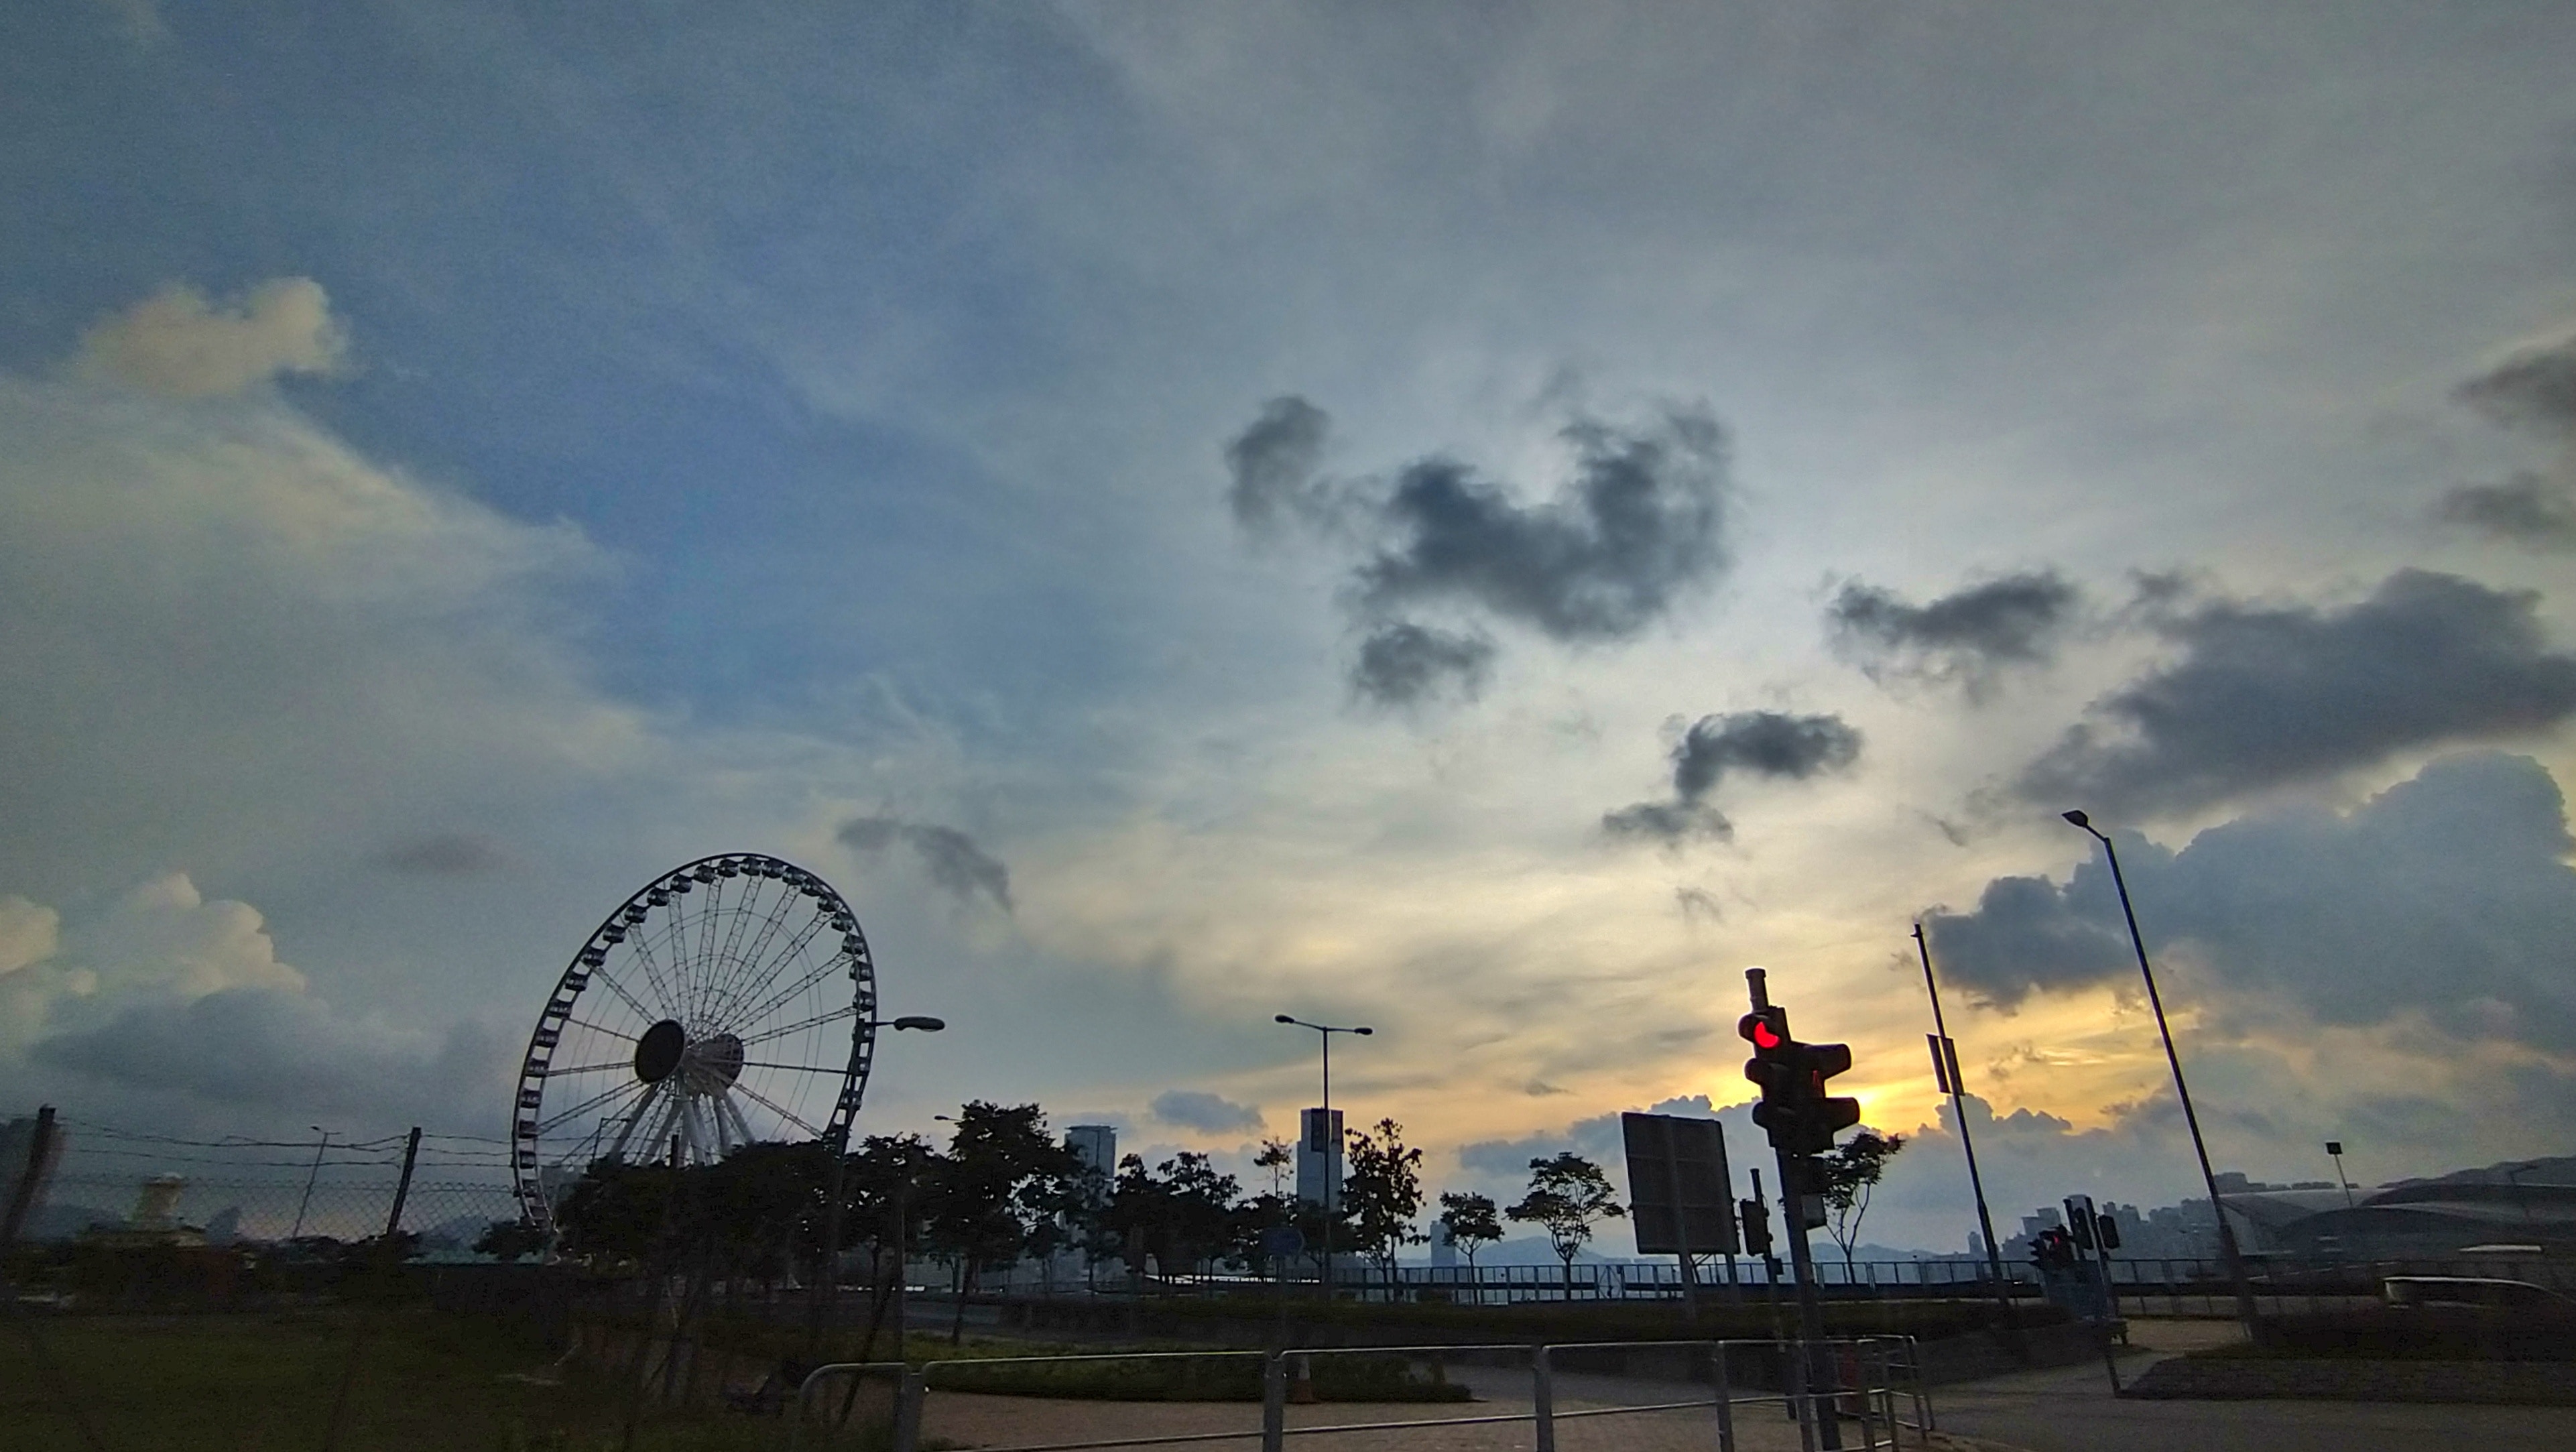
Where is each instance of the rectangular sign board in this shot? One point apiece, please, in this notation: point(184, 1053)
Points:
point(1678, 1191)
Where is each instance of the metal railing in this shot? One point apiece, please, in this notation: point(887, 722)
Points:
point(1874, 1381)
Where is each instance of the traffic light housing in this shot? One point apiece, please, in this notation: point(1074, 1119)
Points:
point(2079, 1221)
point(1797, 1113)
point(1756, 1220)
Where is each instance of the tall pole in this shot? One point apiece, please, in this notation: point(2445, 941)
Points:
point(1332, 1163)
point(306, 1203)
point(1332, 1140)
point(1959, 1111)
point(2227, 1249)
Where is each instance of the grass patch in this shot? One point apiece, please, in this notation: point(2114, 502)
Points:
point(427, 1382)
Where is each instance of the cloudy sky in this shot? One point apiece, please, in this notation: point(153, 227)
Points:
point(1481, 520)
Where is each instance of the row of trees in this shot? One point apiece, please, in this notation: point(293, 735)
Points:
point(1003, 1190)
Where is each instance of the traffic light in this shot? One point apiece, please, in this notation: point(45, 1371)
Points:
point(1796, 1112)
point(2106, 1232)
point(2079, 1221)
point(1827, 1115)
point(1756, 1218)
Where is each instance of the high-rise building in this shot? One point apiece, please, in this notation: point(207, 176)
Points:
point(1095, 1146)
point(1319, 1157)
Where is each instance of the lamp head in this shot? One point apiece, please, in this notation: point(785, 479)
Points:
point(2079, 819)
point(921, 1021)
point(1364, 1030)
point(1282, 1018)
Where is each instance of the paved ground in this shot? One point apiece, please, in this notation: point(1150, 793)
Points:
point(2071, 1409)
point(2068, 1409)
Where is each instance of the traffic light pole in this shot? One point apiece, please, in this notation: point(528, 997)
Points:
point(1818, 1361)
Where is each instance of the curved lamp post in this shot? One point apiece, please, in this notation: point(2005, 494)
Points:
point(827, 1284)
point(2226, 1236)
point(1333, 1151)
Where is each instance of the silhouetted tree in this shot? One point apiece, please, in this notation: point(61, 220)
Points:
point(1567, 1194)
point(1381, 1193)
point(1850, 1173)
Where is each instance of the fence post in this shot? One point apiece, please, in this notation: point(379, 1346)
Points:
point(1543, 1399)
point(908, 1398)
point(1725, 1403)
point(1274, 1402)
point(1793, 1359)
point(1860, 1374)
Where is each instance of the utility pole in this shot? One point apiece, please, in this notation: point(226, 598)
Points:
point(2227, 1247)
point(1945, 1065)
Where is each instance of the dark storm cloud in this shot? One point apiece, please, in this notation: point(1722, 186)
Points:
point(1962, 637)
point(2449, 893)
point(1641, 522)
point(1209, 1113)
point(1402, 664)
point(2535, 390)
point(1765, 743)
point(2528, 509)
point(262, 1047)
point(1639, 525)
point(2261, 695)
point(952, 859)
point(449, 854)
point(1273, 463)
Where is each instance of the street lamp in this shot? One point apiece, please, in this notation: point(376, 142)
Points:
point(2218, 1210)
point(1333, 1149)
point(316, 1173)
point(828, 1283)
point(2334, 1151)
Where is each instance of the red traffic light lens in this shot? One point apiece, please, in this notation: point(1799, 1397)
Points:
point(1763, 1037)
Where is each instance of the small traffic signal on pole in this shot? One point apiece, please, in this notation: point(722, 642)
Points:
point(2106, 1232)
point(1826, 1115)
point(1756, 1218)
point(2079, 1221)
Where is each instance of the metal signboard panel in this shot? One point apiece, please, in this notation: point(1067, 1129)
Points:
point(1678, 1192)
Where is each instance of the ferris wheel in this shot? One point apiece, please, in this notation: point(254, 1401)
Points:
point(731, 1000)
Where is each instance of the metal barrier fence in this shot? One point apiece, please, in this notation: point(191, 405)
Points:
point(1874, 1381)
point(2180, 1287)
point(448, 1215)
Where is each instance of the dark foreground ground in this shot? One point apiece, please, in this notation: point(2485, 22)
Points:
point(266, 1383)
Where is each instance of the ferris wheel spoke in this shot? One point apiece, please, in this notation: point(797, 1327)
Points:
point(741, 1127)
point(754, 958)
point(633, 1121)
point(603, 975)
point(799, 1068)
point(774, 1107)
point(627, 1064)
point(848, 1011)
point(601, 1028)
point(592, 1102)
point(780, 999)
point(794, 949)
point(653, 975)
point(579, 1151)
point(707, 920)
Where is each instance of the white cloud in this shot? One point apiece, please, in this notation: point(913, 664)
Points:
point(178, 343)
point(233, 638)
point(167, 1001)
